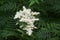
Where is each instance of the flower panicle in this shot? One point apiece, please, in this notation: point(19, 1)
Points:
point(27, 15)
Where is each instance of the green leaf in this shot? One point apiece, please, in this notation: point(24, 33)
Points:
point(32, 2)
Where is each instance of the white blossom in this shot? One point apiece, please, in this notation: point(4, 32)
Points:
point(27, 16)
point(29, 31)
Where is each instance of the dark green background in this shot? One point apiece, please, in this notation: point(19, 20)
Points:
point(48, 25)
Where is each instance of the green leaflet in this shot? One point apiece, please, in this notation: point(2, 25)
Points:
point(32, 2)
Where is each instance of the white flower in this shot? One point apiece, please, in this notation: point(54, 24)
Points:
point(35, 13)
point(29, 31)
point(27, 16)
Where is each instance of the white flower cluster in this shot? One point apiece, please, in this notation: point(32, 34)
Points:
point(27, 16)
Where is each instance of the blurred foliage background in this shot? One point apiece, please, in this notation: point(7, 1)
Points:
point(48, 25)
